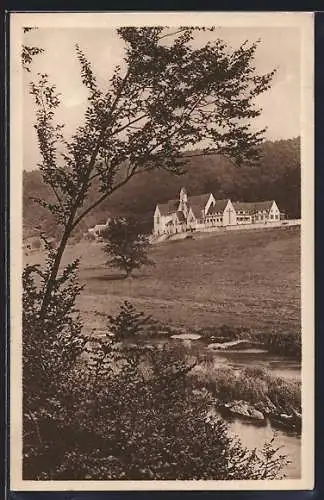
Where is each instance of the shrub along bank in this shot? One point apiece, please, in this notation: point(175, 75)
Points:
point(252, 392)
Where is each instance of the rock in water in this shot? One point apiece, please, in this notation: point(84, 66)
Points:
point(244, 409)
point(266, 407)
point(186, 336)
point(254, 413)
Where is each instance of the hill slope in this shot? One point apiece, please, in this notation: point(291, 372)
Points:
point(276, 177)
point(246, 279)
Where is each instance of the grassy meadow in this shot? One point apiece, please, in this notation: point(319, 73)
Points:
point(244, 279)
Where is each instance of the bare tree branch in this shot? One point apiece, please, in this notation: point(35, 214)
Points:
point(172, 34)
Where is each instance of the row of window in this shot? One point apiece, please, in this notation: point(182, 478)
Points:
point(238, 218)
point(243, 219)
point(214, 219)
point(245, 211)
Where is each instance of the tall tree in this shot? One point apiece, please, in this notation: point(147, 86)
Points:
point(126, 245)
point(168, 97)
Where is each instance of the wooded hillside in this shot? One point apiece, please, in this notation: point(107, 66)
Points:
point(277, 176)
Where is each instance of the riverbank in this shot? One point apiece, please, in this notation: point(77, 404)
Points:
point(251, 393)
point(284, 343)
point(245, 391)
point(239, 384)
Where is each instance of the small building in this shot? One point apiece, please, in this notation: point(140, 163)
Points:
point(97, 230)
point(256, 212)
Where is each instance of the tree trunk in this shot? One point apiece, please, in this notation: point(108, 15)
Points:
point(54, 271)
point(128, 273)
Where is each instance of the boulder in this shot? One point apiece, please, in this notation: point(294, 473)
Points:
point(244, 409)
point(256, 414)
point(240, 344)
point(285, 421)
point(266, 407)
point(186, 336)
point(297, 414)
point(286, 418)
point(272, 407)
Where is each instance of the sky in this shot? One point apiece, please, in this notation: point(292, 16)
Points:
point(280, 47)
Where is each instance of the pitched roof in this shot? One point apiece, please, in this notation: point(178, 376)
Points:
point(169, 207)
point(219, 206)
point(253, 206)
point(180, 216)
point(197, 203)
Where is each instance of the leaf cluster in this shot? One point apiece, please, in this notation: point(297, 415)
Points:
point(126, 245)
point(51, 344)
point(130, 413)
point(113, 411)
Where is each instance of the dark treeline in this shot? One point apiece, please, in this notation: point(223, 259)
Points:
point(277, 176)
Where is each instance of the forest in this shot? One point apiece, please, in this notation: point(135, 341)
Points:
point(276, 176)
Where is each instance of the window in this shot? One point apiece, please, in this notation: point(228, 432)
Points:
point(157, 219)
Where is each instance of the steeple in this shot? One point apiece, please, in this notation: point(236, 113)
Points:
point(183, 198)
point(183, 195)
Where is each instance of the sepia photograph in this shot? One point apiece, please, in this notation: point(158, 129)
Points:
point(161, 249)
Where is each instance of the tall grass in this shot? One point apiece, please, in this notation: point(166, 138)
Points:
point(284, 343)
point(253, 385)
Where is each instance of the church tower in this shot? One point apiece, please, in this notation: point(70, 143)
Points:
point(183, 205)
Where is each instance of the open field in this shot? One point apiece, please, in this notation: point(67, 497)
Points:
point(242, 279)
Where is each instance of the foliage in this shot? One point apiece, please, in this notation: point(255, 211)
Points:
point(283, 343)
point(250, 385)
point(130, 323)
point(277, 176)
point(286, 344)
point(28, 52)
point(107, 411)
point(125, 245)
point(137, 418)
point(285, 394)
point(55, 342)
point(170, 97)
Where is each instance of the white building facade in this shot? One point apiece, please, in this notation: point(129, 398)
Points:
point(202, 212)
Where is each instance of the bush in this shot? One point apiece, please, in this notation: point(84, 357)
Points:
point(89, 236)
point(285, 394)
point(129, 323)
point(284, 344)
point(253, 385)
point(124, 413)
point(140, 425)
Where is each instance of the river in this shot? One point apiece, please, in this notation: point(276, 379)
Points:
point(250, 434)
point(257, 358)
point(238, 358)
point(253, 436)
